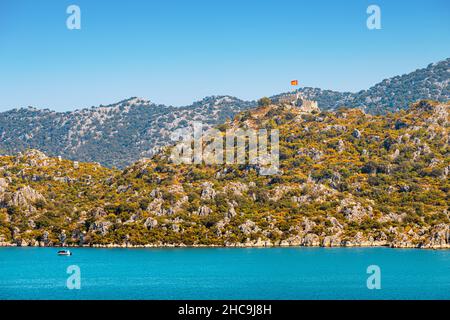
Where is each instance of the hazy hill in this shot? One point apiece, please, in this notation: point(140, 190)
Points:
point(113, 135)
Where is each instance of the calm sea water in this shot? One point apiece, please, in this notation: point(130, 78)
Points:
point(216, 273)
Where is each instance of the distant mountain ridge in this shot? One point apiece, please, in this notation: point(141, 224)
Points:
point(113, 135)
point(121, 133)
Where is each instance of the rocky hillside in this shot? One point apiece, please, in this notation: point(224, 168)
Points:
point(121, 133)
point(346, 179)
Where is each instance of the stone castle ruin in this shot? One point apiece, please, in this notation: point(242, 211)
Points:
point(297, 100)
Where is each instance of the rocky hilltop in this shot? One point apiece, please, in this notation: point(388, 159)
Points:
point(346, 178)
point(392, 94)
point(119, 134)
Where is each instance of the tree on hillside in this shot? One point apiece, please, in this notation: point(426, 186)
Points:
point(264, 101)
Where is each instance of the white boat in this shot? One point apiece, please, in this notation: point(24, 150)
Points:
point(64, 253)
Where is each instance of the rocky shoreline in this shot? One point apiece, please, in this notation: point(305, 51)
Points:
point(255, 244)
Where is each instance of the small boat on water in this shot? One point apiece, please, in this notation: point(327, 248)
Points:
point(64, 253)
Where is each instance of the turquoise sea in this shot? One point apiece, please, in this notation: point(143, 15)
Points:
point(221, 273)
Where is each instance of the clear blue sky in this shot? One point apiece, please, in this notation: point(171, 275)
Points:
point(178, 51)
